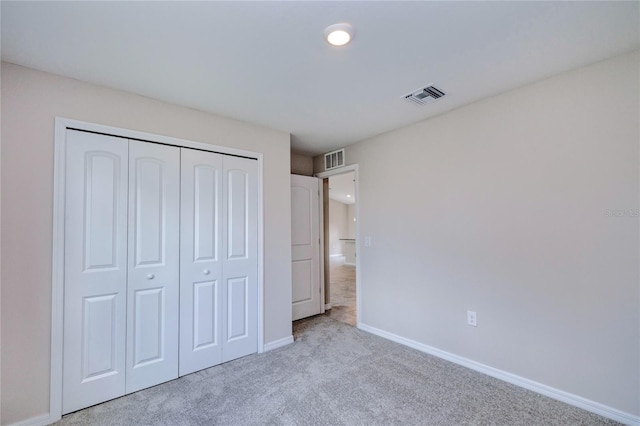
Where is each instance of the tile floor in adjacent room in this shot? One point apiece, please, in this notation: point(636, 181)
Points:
point(342, 291)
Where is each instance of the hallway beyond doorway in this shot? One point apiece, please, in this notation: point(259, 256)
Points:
point(343, 291)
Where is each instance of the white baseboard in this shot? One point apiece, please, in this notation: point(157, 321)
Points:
point(566, 397)
point(327, 306)
point(336, 255)
point(277, 344)
point(42, 420)
point(349, 264)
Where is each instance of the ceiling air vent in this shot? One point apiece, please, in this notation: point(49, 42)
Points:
point(334, 159)
point(426, 95)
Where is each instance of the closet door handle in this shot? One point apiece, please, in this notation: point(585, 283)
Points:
point(206, 272)
point(150, 276)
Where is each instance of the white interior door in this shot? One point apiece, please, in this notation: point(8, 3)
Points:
point(153, 272)
point(240, 257)
point(95, 269)
point(305, 246)
point(200, 261)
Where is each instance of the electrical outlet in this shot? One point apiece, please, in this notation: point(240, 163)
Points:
point(472, 319)
point(367, 241)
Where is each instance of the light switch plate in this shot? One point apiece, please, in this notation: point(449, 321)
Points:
point(472, 318)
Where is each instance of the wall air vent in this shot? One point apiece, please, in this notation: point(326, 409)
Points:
point(425, 95)
point(334, 159)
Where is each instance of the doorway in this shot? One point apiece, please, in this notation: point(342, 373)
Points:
point(341, 244)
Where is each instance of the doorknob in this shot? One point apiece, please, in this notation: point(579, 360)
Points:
point(150, 276)
point(206, 272)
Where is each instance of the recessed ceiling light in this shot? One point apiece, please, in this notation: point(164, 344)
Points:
point(338, 34)
point(349, 195)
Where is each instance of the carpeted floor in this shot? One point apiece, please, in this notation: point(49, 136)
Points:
point(334, 374)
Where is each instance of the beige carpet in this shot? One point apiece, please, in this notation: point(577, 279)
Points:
point(335, 374)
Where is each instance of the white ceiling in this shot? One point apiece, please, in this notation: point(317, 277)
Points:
point(267, 63)
point(342, 188)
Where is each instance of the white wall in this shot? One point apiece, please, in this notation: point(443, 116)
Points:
point(30, 102)
point(507, 207)
point(351, 224)
point(337, 226)
point(349, 247)
point(301, 164)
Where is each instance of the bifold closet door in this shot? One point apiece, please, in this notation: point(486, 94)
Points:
point(95, 269)
point(218, 265)
point(200, 261)
point(153, 272)
point(240, 257)
point(148, 294)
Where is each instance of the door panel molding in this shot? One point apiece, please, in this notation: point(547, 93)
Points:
point(154, 265)
point(306, 245)
point(239, 273)
point(95, 297)
point(200, 261)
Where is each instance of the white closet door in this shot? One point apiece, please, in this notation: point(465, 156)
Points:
point(240, 250)
point(200, 260)
point(153, 273)
point(95, 269)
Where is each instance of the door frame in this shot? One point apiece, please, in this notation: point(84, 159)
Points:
point(340, 171)
point(57, 264)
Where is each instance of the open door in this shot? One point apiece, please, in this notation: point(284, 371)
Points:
point(307, 293)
